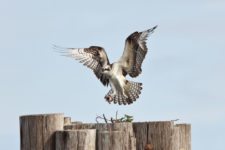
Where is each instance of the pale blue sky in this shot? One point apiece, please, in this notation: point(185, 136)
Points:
point(183, 73)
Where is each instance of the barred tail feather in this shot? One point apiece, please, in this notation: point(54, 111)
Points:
point(118, 98)
point(132, 90)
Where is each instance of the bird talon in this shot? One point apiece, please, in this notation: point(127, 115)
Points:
point(109, 98)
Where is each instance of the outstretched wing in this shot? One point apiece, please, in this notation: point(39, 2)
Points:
point(93, 57)
point(134, 52)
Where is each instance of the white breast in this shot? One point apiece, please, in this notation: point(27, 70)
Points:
point(117, 80)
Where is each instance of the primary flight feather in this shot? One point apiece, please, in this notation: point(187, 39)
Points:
point(122, 91)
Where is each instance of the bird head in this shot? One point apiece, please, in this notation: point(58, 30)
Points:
point(106, 69)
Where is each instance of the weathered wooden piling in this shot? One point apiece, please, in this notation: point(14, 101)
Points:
point(76, 139)
point(56, 132)
point(184, 136)
point(37, 132)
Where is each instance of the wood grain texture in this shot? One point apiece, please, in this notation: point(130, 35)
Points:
point(140, 132)
point(110, 140)
point(117, 136)
point(160, 135)
point(37, 132)
point(184, 135)
point(76, 139)
point(110, 134)
point(56, 132)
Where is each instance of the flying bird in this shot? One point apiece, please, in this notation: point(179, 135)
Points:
point(114, 74)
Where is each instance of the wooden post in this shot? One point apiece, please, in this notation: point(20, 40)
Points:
point(110, 140)
point(76, 139)
point(110, 136)
point(116, 136)
point(184, 135)
point(37, 132)
point(54, 132)
point(162, 135)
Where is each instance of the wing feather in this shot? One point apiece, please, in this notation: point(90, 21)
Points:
point(93, 57)
point(135, 51)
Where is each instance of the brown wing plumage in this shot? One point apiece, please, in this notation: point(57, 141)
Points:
point(135, 51)
point(93, 57)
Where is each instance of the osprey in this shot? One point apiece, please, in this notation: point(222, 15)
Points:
point(122, 91)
